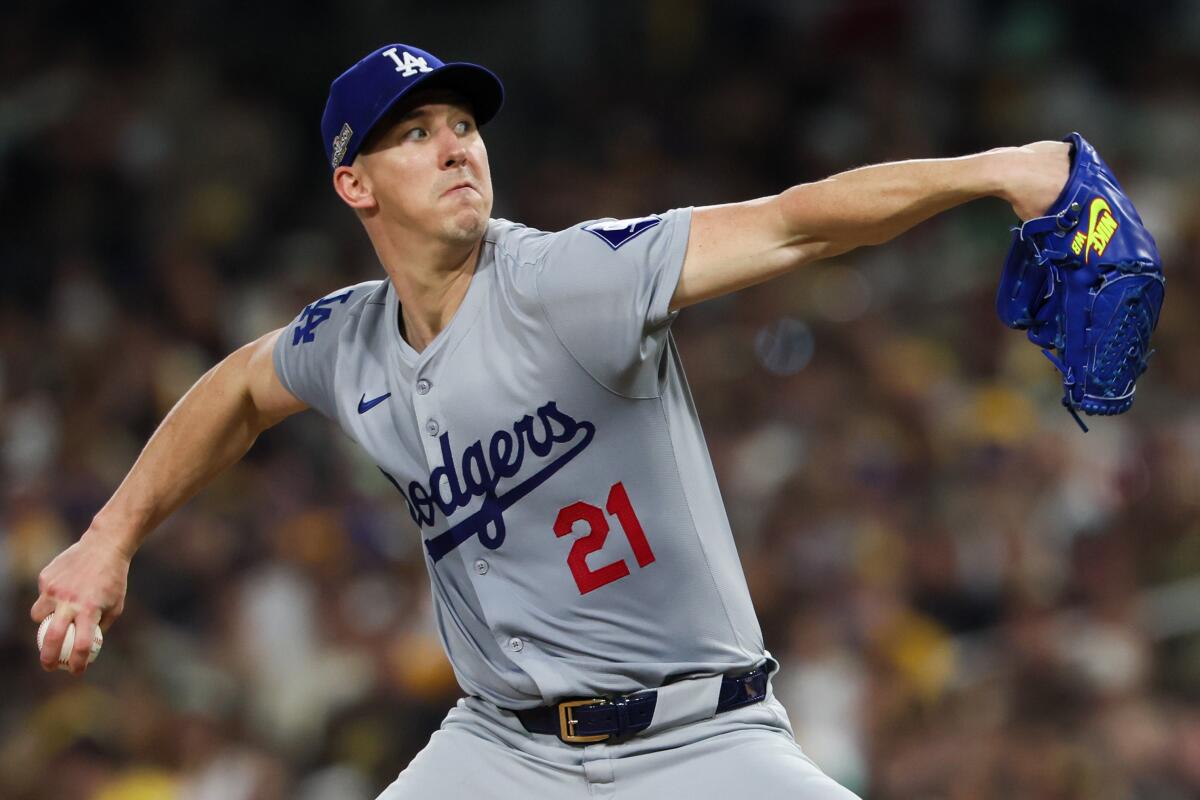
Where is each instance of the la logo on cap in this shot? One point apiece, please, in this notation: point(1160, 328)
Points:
point(407, 64)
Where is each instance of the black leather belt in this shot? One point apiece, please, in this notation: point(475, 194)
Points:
point(607, 719)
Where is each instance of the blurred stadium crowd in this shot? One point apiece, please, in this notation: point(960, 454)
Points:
point(970, 598)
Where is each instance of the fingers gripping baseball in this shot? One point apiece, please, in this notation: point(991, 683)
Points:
point(85, 586)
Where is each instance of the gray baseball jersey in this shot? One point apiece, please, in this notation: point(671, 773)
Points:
point(549, 451)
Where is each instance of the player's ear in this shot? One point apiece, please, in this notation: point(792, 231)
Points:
point(353, 186)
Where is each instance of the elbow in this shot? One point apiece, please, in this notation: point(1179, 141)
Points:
point(816, 229)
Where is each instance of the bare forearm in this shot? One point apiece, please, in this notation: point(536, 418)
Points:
point(874, 204)
point(210, 428)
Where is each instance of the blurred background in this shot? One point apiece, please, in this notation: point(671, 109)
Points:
point(970, 597)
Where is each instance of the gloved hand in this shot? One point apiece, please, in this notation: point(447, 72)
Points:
point(1086, 281)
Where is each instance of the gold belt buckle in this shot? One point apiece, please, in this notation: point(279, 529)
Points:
point(567, 721)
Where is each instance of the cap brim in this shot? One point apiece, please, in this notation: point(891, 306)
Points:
point(478, 85)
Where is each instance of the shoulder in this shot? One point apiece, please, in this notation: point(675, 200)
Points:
point(597, 238)
point(333, 311)
point(619, 246)
point(516, 242)
point(616, 233)
point(329, 330)
point(607, 237)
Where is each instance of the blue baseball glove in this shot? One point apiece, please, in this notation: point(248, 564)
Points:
point(1086, 282)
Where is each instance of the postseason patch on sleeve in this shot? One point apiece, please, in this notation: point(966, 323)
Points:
point(615, 233)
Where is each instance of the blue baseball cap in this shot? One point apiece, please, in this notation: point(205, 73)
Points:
point(361, 95)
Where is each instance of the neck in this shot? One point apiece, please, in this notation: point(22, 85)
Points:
point(430, 278)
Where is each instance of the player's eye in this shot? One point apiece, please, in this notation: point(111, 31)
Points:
point(463, 127)
point(415, 134)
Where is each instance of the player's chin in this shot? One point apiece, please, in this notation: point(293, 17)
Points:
point(466, 223)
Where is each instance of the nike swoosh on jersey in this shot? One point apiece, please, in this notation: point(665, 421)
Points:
point(365, 405)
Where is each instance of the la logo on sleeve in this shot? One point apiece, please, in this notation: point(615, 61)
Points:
point(617, 232)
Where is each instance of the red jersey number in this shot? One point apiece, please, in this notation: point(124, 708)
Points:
point(618, 505)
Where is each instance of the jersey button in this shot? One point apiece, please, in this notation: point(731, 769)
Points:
point(481, 566)
point(432, 427)
point(516, 645)
point(423, 386)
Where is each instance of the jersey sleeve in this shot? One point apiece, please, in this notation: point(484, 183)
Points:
point(306, 351)
point(606, 288)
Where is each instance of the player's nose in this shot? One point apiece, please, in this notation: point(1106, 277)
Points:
point(453, 151)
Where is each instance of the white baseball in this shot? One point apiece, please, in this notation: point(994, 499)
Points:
point(64, 655)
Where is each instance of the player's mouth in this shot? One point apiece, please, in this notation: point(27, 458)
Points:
point(458, 187)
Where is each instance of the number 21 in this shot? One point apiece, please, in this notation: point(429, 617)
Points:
point(586, 578)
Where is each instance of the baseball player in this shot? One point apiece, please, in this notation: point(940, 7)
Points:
point(522, 392)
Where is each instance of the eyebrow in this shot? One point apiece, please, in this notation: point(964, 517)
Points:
point(411, 115)
point(423, 111)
